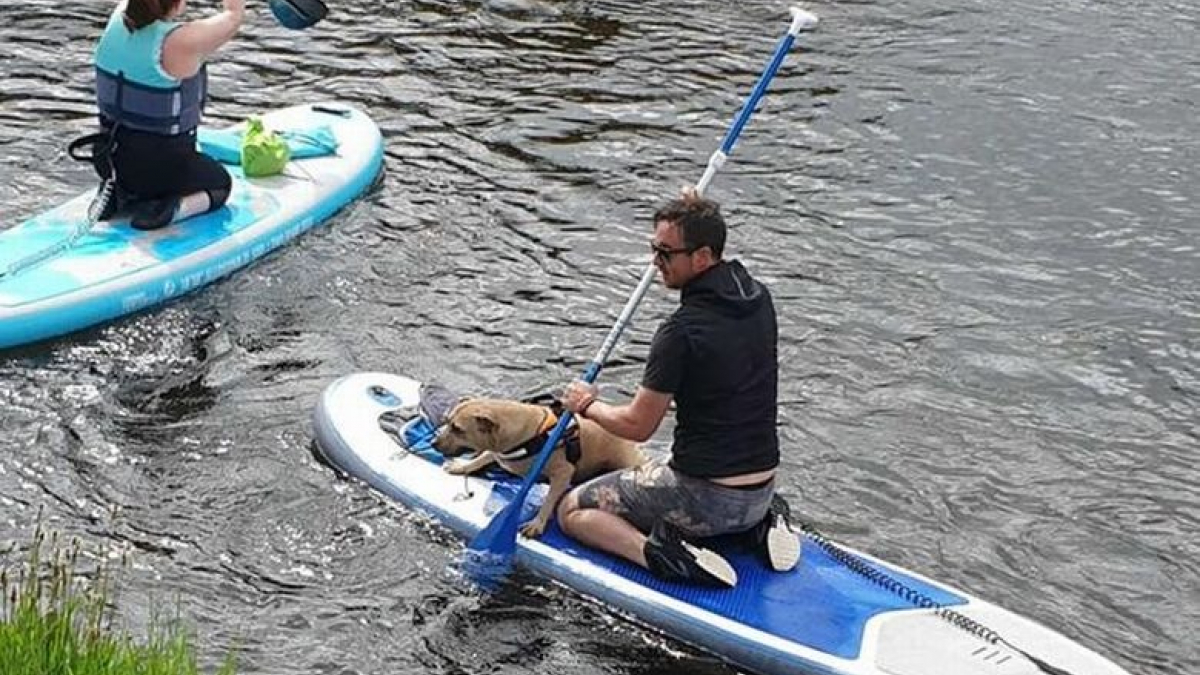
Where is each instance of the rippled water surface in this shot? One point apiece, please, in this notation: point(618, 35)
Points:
point(979, 221)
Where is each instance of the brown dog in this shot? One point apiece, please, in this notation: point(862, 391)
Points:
point(498, 430)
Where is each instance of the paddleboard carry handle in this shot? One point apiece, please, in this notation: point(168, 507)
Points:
point(495, 544)
point(330, 110)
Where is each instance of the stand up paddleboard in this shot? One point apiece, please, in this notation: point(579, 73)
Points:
point(110, 269)
point(839, 612)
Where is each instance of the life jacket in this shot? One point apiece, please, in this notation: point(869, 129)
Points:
point(552, 409)
point(134, 91)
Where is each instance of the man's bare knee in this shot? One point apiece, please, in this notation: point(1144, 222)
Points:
point(567, 506)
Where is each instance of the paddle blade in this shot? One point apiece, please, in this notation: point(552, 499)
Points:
point(489, 557)
point(298, 14)
point(486, 570)
point(499, 538)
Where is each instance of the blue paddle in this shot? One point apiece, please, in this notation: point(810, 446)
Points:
point(498, 540)
point(298, 14)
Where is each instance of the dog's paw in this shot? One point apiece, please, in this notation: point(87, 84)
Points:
point(455, 468)
point(533, 529)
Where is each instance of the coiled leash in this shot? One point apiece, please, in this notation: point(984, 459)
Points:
point(101, 147)
point(919, 599)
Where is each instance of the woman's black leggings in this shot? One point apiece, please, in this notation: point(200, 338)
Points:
point(150, 166)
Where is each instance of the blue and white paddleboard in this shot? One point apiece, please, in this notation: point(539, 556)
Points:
point(114, 270)
point(823, 617)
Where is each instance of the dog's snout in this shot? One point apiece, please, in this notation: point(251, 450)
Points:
point(448, 446)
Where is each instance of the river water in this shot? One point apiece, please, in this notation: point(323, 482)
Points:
point(979, 221)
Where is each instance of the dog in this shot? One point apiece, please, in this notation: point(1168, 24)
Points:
point(511, 434)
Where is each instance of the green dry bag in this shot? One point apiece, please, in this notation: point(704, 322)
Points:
point(264, 153)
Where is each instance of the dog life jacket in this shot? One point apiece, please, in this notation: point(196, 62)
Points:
point(570, 438)
point(133, 90)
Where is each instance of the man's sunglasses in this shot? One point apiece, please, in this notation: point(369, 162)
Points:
point(663, 253)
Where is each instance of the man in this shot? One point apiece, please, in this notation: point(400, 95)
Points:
point(715, 356)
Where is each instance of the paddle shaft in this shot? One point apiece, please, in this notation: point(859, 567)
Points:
point(499, 537)
point(801, 20)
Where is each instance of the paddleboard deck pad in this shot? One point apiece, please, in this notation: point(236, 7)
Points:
point(822, 617)
point(113, 269)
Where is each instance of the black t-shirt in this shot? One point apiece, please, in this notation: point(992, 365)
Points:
point(717, 355)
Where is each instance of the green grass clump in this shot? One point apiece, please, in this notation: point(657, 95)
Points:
point(56, 621)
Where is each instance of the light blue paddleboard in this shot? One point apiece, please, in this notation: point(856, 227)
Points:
point(822, 617)
point(114, 269)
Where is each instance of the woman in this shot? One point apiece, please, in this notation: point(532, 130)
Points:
point(151, 86)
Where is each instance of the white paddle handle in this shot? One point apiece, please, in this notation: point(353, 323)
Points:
point(802, 20)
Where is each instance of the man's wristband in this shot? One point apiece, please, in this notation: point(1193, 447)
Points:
point(582, 412)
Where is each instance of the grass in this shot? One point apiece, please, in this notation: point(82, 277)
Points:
point(55, 620)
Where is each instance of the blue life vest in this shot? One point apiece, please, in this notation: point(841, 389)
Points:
point(132, 88)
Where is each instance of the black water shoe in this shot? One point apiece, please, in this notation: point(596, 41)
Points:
point(775, 539)
point(671, 558)
point(155, 214)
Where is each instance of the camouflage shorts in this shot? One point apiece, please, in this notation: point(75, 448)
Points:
point(643, 495)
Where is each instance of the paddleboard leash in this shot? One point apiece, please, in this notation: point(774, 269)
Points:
point(919, 599)
point(99, 203)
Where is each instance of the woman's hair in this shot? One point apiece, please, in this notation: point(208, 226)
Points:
point(142, 13)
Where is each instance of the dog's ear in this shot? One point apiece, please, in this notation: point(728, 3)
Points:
point(484, 422)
